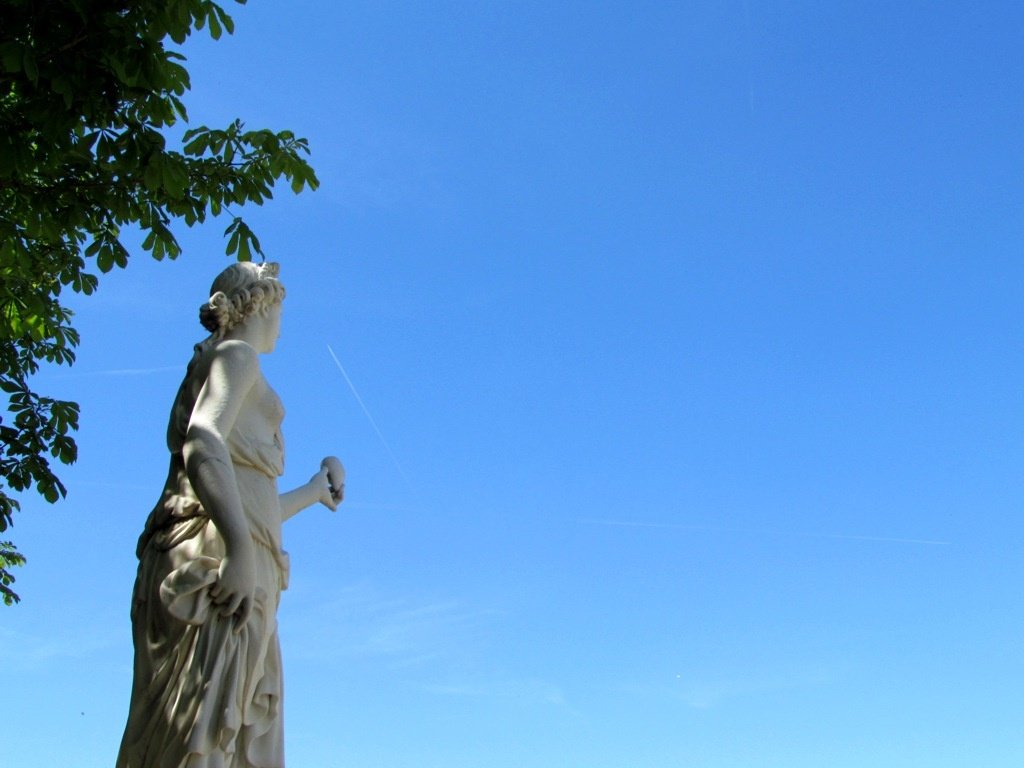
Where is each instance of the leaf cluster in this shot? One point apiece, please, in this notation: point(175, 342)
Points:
point(88, 91)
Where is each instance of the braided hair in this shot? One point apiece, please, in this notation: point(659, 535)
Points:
point(240, 291)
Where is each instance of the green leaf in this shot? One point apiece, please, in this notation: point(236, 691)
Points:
point(84, 154)
point(175, 177)
point(11, 56)
point(153, 175)
point(105, 259)
point(226, 20)
point(215, 28)
point(244, 251)
point(29, 66)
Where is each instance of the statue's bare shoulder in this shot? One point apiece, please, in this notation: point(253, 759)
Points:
point(235, 354)
point(232, 365)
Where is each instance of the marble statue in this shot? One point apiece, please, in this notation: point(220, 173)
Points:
point(207, 677)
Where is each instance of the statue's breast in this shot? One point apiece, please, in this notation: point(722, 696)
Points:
point(256, 439)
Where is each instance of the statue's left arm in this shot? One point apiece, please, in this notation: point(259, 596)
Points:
point(327, 487)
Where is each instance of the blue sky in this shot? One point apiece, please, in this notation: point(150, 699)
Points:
point(692, 335)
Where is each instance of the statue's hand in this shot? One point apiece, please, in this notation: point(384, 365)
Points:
point(332, 482)
point(236, 585)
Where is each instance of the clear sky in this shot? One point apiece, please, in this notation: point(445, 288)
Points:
point(692, 337)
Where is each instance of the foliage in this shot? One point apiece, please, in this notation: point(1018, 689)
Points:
point(88, 92)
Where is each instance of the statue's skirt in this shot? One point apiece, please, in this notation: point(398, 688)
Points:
point(207, 693)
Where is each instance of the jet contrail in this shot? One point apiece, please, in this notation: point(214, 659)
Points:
point(369, 417)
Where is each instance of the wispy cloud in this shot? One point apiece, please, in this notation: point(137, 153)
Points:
point(380, 506)
point(440, 644)
point(25, 652)
point(113, 486)
point(120, 372)
point(529, 690)
point(710, 693)
point(701, 690)
point(363, 621)
point(760, 531)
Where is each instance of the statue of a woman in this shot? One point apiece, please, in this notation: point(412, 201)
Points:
point(207, 678)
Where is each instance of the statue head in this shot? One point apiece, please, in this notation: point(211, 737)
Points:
point(239, 292)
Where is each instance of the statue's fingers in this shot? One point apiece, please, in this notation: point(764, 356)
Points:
point(244, 611)
point(322, 478)
point(230, 606)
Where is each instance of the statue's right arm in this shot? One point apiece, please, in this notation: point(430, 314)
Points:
point(233, 371)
